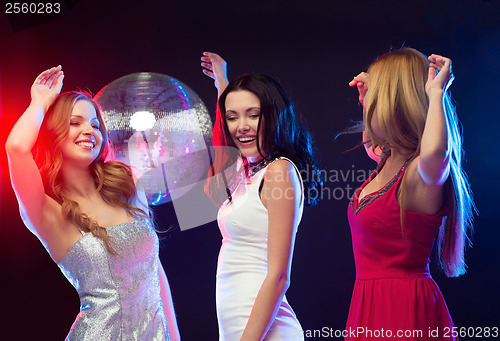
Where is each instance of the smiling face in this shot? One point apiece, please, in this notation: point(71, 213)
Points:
point(84, 139)
point(242, 117)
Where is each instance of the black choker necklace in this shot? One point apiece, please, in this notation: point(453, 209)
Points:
point(252, 168)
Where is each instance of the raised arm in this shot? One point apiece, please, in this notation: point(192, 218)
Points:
point(284, 216)
point(433, 164)
point(24, 174)
point(215, 67)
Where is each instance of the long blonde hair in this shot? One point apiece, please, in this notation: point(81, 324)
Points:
point(113, 179)
point(398, 99)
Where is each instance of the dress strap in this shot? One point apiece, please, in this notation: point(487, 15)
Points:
point(296, 169)
point(369, 198)
point(298, 173)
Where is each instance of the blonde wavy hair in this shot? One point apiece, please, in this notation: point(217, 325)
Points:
point(113, 179)
point(398, 99)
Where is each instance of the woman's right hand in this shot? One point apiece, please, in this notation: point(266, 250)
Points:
point(361, 82)
point(215, 67)
point(47, 87)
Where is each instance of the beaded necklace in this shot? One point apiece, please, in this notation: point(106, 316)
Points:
point(252, 168)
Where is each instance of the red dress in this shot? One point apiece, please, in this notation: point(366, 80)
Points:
point(394, 294)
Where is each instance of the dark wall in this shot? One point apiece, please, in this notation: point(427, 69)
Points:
point(314, 48)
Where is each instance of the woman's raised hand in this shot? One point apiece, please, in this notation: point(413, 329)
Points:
point(444, 77)
point(215, 67)
point(47, 87)
point(361, 82)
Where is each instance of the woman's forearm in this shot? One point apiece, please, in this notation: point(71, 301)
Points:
point(23, 135)
point(265, 307)
point(44, 92)
point(434, 148)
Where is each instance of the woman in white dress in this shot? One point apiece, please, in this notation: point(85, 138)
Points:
point(263, 206)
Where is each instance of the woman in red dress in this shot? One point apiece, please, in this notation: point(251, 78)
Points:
point(419, 194)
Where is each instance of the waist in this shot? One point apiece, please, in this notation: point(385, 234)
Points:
point(238, 264)
point(98, 299)
point(393, 275)
point(243, 250)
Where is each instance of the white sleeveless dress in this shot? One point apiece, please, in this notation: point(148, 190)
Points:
point(242, 264)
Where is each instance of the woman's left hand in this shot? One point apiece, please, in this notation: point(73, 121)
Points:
point(444, 77)
point(361, 82)
point(215, 67)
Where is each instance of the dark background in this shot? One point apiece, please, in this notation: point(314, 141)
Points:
point(314, 47)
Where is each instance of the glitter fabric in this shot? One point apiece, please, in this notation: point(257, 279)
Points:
point(119, 294)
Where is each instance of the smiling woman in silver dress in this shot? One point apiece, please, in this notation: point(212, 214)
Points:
point(87, 214)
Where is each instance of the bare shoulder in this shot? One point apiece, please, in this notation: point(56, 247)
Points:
point(282, 196)
point(281, 164)
point(282, 171)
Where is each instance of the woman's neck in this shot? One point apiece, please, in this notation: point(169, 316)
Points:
point(78, 183)
point(255, 159)
point(397, 158)
point(400, 155)
point(253, 165)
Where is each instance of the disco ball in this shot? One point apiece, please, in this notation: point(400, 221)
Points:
point(159, 126)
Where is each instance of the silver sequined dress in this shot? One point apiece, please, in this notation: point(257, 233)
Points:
point(119, 294)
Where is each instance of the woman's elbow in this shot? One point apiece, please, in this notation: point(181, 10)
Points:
point(286, 284)
point(15, 146)
point(437, 158)
point(435, 168)
point(282, 281)
point(437, 155)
